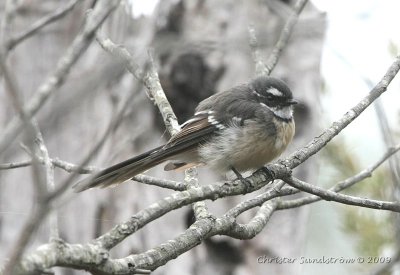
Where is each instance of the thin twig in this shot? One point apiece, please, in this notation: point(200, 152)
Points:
point(64, 65)
point(156, 93)
point(274, 191)
point(29, 228)
point(111, 127)
point(70, 167)
point(200, 208)
point(177, 200)
point(260, 66)
point(284, 37)
point(5, 21)
point(168, 184)
point(49, 178)
point(41, 23)
point(150, 80)
point(342, 184)
point(329, 195)
point(301, 155)
point(26, 113)
point(256, 224)
point(33, 222)
point(14, 165)
point(387, 133)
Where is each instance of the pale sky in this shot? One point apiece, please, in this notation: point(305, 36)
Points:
point(357, 45)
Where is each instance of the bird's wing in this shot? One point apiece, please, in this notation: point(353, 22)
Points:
point(194, 131)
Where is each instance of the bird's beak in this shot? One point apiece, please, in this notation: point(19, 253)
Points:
point(292, 102)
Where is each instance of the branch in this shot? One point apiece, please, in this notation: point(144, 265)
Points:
point(33, 131)
point(345, 199)
point(73, 168)
point(301, 155)
point(156, 94)
point(150, 80)
point(260, 66)
point(41, 23)
point(258, 200)
point(180, 199)
point(342, 184)
point(94, 256)
point(49, 179)
point(284, 37)
point(265, 69)
point(64, 65)
point(168, 184)
point(256, 225)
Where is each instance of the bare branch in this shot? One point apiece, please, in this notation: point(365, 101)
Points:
point(78, 256)
point(156, 93)
point(34, 220)
point(64, 65)
point(329, 195)
point(274, 191)
point(284, 37)
point(95, 254)
point(41, 23)
point(30, 227)
point(301, 155)
point(256, 225)
point(70, 167)
point(179, 199)
point(6, 18)
point(342, 184)
point(168, 184)
point(49, 178)
point(150, 80)
point(261, 68)
point(14, 165)
point(111, 127)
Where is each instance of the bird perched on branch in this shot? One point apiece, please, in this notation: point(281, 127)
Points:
point(240, 129)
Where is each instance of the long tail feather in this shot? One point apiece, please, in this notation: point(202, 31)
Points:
point(127, 169)
point(123, 171)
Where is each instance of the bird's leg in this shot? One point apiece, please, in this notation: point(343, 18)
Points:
point(246, 182)
point(269, 173)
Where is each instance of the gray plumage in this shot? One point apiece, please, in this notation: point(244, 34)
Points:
point(244, 128)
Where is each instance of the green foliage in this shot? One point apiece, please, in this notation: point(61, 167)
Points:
point(372, 229)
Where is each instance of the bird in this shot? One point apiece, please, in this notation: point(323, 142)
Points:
point(240, 129)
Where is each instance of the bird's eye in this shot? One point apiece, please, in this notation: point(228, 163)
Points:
point(269, 97)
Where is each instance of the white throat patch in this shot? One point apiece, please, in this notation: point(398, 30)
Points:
point(284, 112)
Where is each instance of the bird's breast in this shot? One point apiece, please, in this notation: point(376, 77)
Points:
point(284, 134)
point(247, 147)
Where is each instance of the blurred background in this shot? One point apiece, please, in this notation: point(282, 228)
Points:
point(337, 52)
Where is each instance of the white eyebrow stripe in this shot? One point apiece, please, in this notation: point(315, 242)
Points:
point(274, 92)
